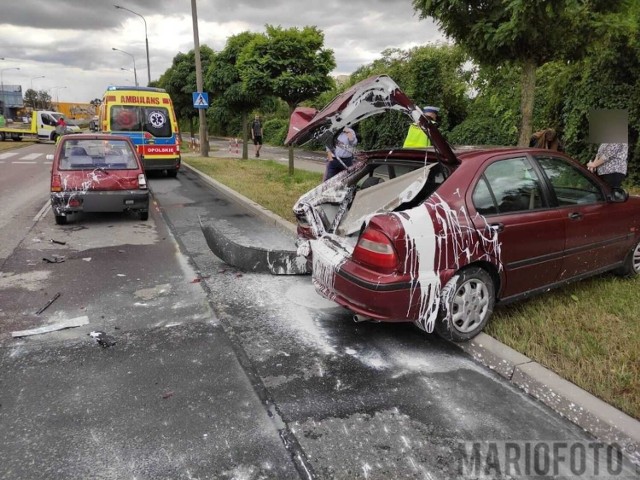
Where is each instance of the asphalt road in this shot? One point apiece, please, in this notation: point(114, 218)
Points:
point(218, 373)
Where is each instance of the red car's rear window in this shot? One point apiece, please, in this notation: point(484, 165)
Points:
point(92, 153)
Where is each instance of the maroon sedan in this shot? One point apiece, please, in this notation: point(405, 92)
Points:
point(437, 236)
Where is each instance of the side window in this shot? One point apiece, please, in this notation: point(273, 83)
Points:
point(48, 120)
point(571, 186)
point(515, 185)
point(483, 199)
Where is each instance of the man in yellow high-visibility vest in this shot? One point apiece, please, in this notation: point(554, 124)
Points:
point(416, 138)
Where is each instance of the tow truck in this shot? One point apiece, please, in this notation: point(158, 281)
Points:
point(41, 126)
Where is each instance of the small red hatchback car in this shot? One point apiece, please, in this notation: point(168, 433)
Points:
point(97, 173)
point(437, 236)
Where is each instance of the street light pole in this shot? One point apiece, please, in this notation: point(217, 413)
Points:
point(57, 89)
point(4, 103)
point(32, 79)
point(146, 39)
point(135, 73)
point(35, 78)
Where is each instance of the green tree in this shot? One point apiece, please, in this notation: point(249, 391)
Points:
point(179, 81)
point(527, 33)
point(607, 79)
point(44, 100)
point(429, 75)
point(291, 64)
point(492, 114)
point(31, 98)
point(230, 95)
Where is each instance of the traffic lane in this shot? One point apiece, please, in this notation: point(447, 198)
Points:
point(24, 190)
point(166, 402)
point(379, 395)
point(104, 266)
point(381, 398)
point(167, 399)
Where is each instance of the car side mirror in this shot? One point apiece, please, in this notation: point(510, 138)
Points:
point(618, 195)
point(49, 156)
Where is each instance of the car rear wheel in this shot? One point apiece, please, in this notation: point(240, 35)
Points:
point(172, 173)
point(631, 266)
point(466, 303)
point(144, 215)
point(61, 220)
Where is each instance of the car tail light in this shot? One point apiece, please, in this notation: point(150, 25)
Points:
point(142, 181)
point(374, 248)
point(74, 202)
point(56, 183)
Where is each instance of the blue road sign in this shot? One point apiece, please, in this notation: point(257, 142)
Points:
point(200, 100)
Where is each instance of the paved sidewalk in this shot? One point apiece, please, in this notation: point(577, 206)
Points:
point(603, 421)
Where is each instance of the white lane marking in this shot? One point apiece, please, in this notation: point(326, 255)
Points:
point(25, 163)
point(31, 156)
point(43, 211)
point(8, 154)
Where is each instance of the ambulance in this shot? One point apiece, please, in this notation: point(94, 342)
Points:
point(146, 115)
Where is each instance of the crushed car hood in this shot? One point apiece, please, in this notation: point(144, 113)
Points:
point(369, 97)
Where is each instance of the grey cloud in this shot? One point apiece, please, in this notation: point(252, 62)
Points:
point(350, 29)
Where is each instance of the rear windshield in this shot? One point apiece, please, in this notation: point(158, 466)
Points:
point(91, 154)
point(128, 118)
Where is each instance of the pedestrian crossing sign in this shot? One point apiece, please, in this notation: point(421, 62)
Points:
point(200, 100)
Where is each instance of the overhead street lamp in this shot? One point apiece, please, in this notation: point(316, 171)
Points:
point(146, 39)
point(35, 78)
point(32, 79)
point(4, 104)
point(57, 93)
point(135, 73)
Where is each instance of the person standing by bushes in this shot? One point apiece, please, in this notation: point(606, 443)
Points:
point(257, 134)
point(611, 163)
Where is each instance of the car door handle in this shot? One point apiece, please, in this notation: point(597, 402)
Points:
point(575, 216)
point(497, 227)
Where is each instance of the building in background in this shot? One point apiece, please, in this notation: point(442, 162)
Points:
point(11, 100)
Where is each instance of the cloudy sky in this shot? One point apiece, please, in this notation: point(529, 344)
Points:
point(70, 42)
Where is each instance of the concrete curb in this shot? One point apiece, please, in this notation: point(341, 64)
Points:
point(600, 419)
point(267, 215)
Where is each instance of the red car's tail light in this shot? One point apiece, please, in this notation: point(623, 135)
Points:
point(142, 181)
point(374, 248)
point(56, 183)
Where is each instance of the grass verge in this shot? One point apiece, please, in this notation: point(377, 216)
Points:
point(266, 182)
point(11, 145)
point(588, 332)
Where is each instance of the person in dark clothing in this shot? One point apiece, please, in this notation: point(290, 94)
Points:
point(256, 134)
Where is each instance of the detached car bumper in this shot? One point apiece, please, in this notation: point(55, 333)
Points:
point(97, 201)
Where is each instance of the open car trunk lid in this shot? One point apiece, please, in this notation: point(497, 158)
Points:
point(369, 97)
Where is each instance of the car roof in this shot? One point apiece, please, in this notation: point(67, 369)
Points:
point(94, 136)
